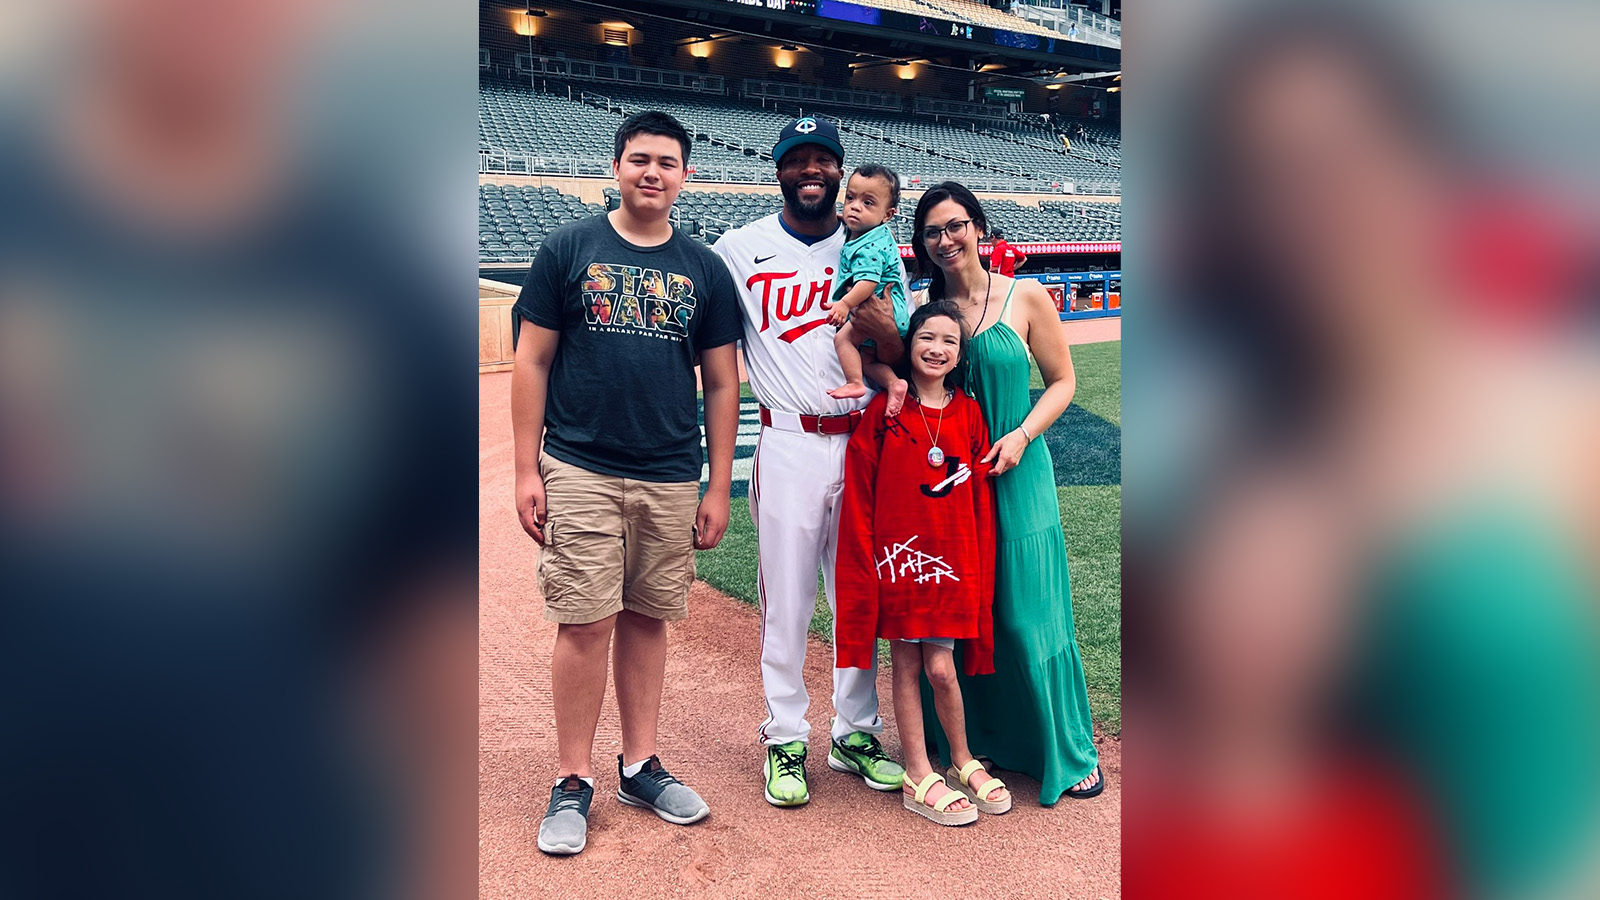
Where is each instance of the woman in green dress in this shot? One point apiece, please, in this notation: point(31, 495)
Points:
point(1032, 715)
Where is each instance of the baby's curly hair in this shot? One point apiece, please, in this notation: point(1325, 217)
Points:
point(875, 170)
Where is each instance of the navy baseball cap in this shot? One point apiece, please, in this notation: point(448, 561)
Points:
point(808, 130)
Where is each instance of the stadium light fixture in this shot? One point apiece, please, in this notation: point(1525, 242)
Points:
point(1113, 90)
point(907, 71)
point(700, 49)
point(783, 59)
point(1055, 86)
point(525, 22)
point(789, 47)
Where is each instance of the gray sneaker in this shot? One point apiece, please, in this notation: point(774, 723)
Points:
point(565, 829)
point(655, 789)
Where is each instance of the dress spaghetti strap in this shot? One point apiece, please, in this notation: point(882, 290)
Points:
point(1007, 305)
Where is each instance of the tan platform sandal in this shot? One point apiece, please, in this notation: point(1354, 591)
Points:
point(963, 783)
point(939, 811)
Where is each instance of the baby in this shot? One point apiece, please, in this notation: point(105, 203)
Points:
point(869, 264)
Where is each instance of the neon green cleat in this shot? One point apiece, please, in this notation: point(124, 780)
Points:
point(785, 770)
point(860, 754)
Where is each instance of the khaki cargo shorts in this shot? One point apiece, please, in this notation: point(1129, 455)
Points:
point(614, 543)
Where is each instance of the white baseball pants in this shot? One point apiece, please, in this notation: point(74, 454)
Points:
point(796, 485)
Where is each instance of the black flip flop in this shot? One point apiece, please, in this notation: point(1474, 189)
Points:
point(1086, 793)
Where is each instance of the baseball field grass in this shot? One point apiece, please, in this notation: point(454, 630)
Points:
point(1086, 444)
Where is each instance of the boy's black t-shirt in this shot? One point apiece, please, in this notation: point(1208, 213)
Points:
point(621, 398)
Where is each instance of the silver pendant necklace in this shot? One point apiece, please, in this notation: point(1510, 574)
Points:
point(935, 455)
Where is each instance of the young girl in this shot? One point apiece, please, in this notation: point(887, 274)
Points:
point(916, 560)
point(869, 263)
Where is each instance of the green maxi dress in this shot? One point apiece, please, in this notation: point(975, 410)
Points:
point(1031, 715)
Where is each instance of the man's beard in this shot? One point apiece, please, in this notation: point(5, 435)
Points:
point(810, 212)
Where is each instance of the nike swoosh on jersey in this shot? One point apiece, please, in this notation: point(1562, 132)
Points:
point(761, 259)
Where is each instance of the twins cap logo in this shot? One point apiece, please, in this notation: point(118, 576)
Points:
point(806, 125)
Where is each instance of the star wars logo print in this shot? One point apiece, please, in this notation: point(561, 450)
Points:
point(774, 308)
point(634, 300)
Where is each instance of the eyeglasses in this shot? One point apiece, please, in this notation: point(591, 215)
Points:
point(956, 229)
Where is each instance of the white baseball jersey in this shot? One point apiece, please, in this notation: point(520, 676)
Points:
point(786, 288)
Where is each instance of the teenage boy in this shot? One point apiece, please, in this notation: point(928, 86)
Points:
point(616, 312)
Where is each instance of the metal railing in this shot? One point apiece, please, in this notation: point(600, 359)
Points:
point(502, 162)
point(1083, 16)
point(776, 90)
point(958, 108)
point(506, 162)
point(554, 66)
point(1061, 24)
point(713, 227)
point(961, 156)
point(597, 100)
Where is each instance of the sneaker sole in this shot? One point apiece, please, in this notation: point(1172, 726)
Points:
point(563, 849)
point(631, 800)
point(766, 773)
point(839, 765)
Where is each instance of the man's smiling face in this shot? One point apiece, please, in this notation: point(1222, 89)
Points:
point(809, 176)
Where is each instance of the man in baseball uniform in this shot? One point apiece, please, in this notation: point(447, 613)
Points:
point(783, 267)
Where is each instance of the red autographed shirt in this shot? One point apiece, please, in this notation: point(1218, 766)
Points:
point(916, 540)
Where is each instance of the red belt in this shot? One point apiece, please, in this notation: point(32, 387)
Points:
point(844, 424)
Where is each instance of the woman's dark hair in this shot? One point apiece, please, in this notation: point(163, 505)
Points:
point(874, 170)
point(944, 190)
point(650, 121)
point(957, 376)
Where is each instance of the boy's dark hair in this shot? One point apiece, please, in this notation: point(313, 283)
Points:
point(998, 234)
point(874, 170)
point(651, 121)
point(956, 378)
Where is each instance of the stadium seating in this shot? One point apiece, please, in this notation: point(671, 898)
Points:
point(979, 14)
point(1026, 157)
point(736, 136)
point(514, 219)
point(1101, 143)
point(520, 120)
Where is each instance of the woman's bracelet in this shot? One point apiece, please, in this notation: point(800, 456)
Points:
point(1025, 433)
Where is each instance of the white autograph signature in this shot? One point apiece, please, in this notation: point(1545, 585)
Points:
point(900, 559)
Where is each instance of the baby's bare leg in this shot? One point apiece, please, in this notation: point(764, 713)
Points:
point(844, 343)
point(883, 375)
